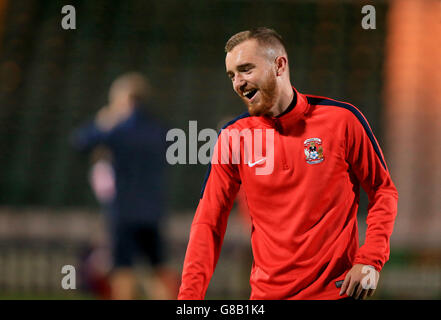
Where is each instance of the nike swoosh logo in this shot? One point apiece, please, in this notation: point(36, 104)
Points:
point(252, 164)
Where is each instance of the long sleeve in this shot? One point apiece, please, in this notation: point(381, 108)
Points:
point(208, 228)
point(367, 163)
point(88, 136)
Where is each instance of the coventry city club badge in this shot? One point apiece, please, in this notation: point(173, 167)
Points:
point(313, 150)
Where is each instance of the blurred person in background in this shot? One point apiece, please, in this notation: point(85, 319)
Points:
point(304, 212)
point(129, 183)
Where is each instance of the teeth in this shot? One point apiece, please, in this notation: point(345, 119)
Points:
point(246, 93)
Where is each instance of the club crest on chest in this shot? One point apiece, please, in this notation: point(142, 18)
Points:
point(313, 150)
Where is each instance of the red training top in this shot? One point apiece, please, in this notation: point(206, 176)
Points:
point(304, 225)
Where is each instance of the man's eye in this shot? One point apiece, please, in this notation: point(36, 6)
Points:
point(247, 71)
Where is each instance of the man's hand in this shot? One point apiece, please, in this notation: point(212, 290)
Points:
point(360, 282)
point(108, 117)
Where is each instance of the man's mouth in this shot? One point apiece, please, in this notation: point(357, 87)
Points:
point(250, 93)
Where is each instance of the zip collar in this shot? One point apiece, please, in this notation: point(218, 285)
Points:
point(295, 111)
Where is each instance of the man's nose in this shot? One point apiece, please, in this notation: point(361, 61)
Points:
point(238, 82)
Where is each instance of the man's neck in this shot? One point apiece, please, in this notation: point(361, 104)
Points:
point(286, 97)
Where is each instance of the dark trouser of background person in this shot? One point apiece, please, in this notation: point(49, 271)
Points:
point(131, 242)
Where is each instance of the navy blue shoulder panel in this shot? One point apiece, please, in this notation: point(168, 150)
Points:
point(229, 123)
point(357, 113)
point(242, 116)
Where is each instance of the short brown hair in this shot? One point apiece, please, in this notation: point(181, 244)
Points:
point(265, 36)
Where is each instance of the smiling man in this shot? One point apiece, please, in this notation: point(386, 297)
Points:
point(259, 73)
point(304, 213)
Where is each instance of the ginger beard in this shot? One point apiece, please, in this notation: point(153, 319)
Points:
point(264, 99)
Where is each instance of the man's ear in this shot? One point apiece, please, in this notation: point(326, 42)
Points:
point(281, 63)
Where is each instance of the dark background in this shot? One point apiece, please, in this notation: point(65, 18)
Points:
point(52, 80)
